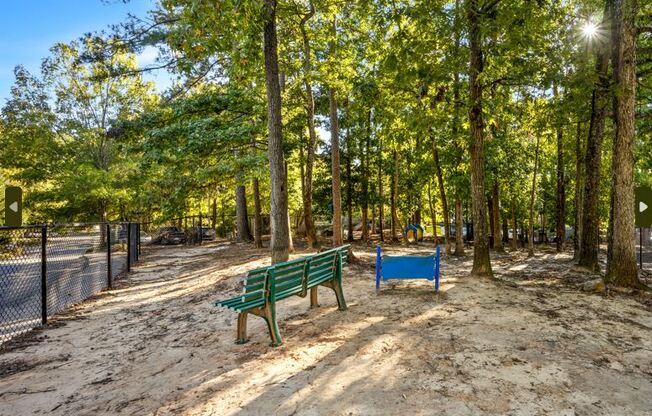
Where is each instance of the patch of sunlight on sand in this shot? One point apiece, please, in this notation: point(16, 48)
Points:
point(252, 379)
point(518, 267)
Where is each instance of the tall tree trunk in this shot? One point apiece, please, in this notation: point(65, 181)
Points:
point(290, 241)
point(365, 180)
point(590, 217)
point(335, 156)
point(481, 259)
point(280, 239)
point(394, 196)
point(533, 195)
point(258, 219)
point(621, 265)
point(514, 243)
point(490, 210)
point(311, 234)
point(442, 195)
point(242, 220)
point(560, 217)
point(459, 228)
point(497, 232)
point(433, 215)
point(579, 189)
point(349, 188)
point(381, 202)
point(459, 217)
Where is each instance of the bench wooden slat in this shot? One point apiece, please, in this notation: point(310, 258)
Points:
point(316, 280)
point(286, 293)
point(322, 260)
point(289, 284)
point(288, 270)
point(288, 276)
point(253, 287)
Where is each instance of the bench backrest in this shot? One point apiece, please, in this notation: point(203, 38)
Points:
point(294, 277)
point(322, 267)
point(287, 278)
point(255, 285)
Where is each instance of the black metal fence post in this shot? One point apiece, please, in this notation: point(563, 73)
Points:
point(109, 273)
point(128, 247)
point(44, 275)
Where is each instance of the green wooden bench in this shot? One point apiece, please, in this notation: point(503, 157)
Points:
point(263, 287)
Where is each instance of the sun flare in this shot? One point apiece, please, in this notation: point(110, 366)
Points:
point(589, 29)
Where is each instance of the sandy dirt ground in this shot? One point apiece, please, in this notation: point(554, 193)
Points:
point(530, 343)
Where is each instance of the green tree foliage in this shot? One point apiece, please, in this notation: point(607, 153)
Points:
point(398, 74)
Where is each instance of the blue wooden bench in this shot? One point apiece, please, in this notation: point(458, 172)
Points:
point(407, 267)
point(264, 287)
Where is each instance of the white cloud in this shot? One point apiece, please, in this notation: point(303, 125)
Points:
point(147, 56)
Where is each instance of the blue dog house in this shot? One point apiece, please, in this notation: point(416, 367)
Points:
point(407, 267)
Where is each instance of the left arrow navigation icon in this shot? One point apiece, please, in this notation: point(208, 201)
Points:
point(13, 206)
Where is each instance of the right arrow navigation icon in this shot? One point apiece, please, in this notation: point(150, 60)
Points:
point(643, 206)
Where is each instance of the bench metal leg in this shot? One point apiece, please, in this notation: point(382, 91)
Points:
point(314, 302)
point(242, 328)
point(272, 325)
point(339, 293)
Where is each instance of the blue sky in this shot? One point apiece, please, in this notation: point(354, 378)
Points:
point(28, 28)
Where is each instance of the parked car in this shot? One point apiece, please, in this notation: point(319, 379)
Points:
point(207, 234)
point(169, 235)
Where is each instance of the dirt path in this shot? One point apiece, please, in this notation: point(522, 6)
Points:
point(529, 344)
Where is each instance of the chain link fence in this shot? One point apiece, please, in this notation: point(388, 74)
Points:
point(45, 269)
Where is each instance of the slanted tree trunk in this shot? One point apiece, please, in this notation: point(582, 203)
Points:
point(442, 195)
point(600, 98)
point(242, 220)
point(311, 234)
point(280, 238)
point(579, 189)
point(533, 195)
point(394, 196)
point(481, 259)
point(498, 239)
point(335, 157)
point(621, 265)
